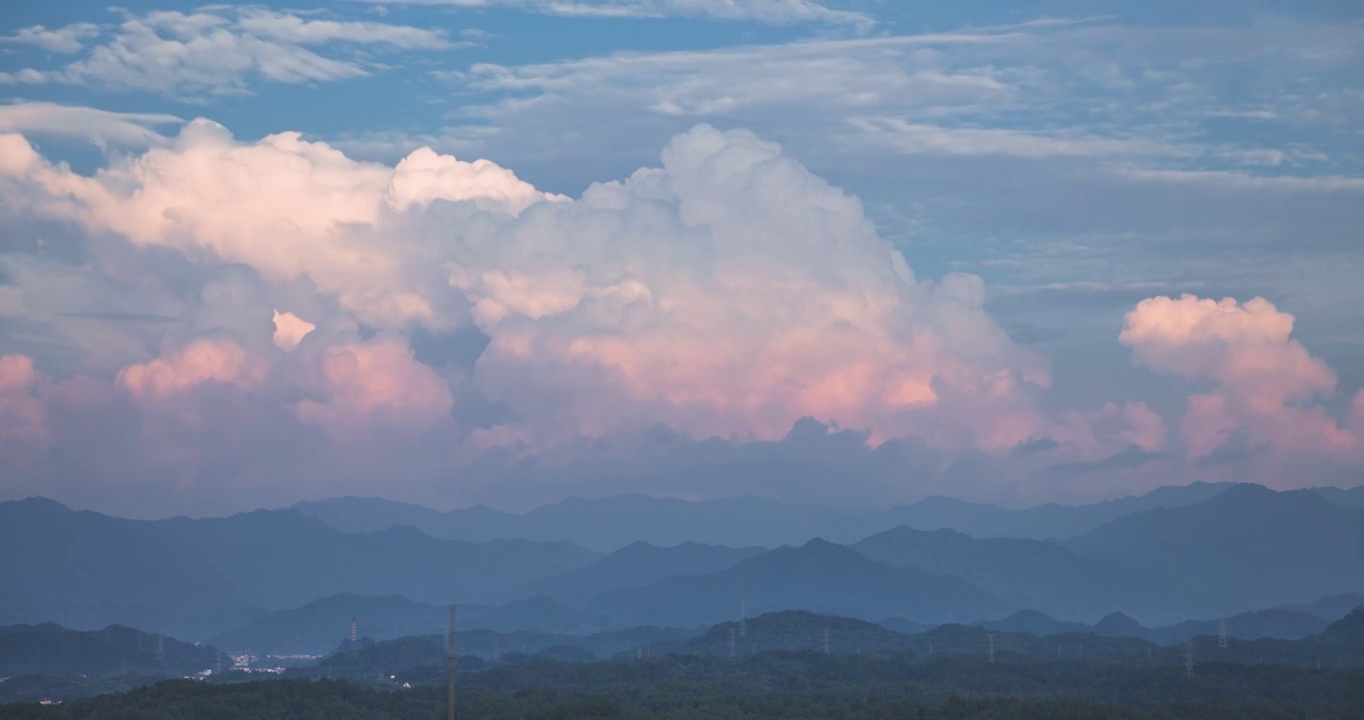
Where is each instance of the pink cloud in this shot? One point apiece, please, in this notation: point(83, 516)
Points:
point(1243, 346)
point(288, 207)
point(23, 420)
point(728, 292)
point(1263, 382)
point(1129, 424)
point(16, 373)
point(205, 360)
point(732, 292)
point(290, 330)
point(377, 383)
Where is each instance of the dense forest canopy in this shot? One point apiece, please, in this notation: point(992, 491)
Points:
point(788, 684)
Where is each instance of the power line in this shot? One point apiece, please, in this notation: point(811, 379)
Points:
point(450, 641)
point(1188, 658)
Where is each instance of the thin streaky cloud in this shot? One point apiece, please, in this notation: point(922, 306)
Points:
point(776, 12)
point(41, 119)
point(218, 51)
point(68, 39)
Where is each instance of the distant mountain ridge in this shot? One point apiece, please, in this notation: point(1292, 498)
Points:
point(97, 565)
point(611, 523)
point(1352, 497)
point(603, 525)
point(1024, 573)
point(115, 650)
point(1348, 630)
point(793, 630)
point(1035, 623)
point(1274, 623)
point(1244, 549)
point(807, 635)
point(318, 626)
point(1329, 608)
point(636, 564)
point(1042, 522)
point(818, 576)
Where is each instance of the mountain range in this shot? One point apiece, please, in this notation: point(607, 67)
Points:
point(793, 630)
point(818, 576)
point(318, 626)
point(42, 658)
point(114, 650)
point(1247, 548)
point(292, 579)
point(1033, 574)
point(610, 523)
point(103, 569)
point(1339, 644)
point(636, 564)
point(607, 524)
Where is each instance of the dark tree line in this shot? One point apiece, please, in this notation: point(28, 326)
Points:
point(769, 685)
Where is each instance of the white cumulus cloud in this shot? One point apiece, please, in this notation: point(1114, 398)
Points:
point(727, 292)
point(288, 207)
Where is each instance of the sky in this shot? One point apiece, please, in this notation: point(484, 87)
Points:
point(846, 252)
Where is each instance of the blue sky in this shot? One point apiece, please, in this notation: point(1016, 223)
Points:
point(1042, 168)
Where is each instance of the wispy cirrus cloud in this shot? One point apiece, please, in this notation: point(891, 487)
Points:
point(67, 39)
point(103, 127)
point(1035, 89)
point(776, 12)
point(222, 51)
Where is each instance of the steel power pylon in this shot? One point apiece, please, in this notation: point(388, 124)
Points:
point(450, 642)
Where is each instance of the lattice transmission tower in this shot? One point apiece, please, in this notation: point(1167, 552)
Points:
point(450, 643)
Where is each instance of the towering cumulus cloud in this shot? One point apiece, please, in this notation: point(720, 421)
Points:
point(728, 293)
point(732, 292)
point(287, 207)
point(1264, 390)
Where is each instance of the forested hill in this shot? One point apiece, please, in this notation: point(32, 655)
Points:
point(801, 684)
point(51, 648)
point(793, 630)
